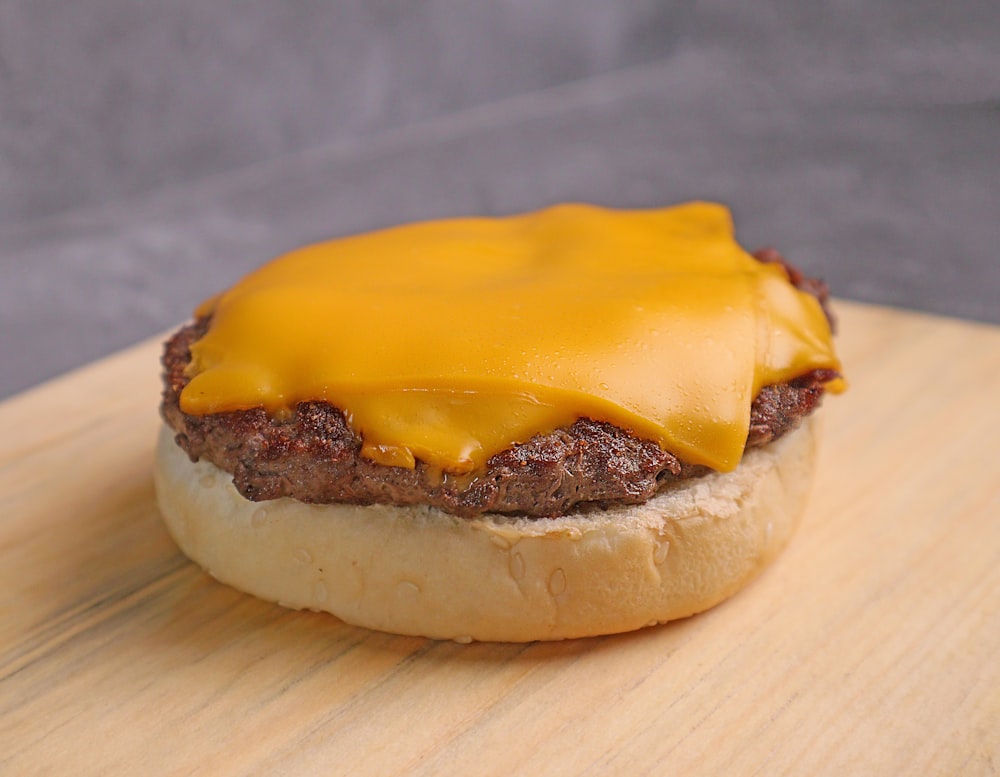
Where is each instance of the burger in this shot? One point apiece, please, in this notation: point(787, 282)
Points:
point(558, 424)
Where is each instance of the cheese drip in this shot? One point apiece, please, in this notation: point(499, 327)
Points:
point(449, 341)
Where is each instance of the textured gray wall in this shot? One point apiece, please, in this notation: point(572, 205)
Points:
point(102, 99)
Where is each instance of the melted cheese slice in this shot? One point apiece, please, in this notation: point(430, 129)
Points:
point(449, 341)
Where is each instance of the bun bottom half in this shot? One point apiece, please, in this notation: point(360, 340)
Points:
point(419, 571)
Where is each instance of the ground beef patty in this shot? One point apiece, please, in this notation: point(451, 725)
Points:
point(313, 455)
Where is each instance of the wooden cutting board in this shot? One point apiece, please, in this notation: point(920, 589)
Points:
point(872, 646)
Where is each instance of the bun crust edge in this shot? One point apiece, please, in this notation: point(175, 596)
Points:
point(422, 572)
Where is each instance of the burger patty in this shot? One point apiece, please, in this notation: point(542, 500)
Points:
point(314, 456)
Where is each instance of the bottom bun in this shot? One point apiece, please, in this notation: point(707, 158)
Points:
point(423, 572)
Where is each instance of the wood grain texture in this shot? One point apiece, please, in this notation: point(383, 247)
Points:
point(870, 647)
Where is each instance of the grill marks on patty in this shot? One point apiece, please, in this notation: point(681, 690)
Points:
point(313, 456)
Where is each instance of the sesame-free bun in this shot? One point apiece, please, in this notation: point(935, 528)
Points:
point(420, 571)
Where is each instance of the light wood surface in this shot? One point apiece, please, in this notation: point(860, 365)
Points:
point(872, 646)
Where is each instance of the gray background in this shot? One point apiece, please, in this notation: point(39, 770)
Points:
point(152, 152)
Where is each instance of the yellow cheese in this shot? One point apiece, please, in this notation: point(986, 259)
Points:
point(449, 341)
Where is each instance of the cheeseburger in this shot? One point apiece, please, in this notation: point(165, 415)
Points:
point(566, 423)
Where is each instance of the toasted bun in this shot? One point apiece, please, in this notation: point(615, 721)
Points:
point(419, 571)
